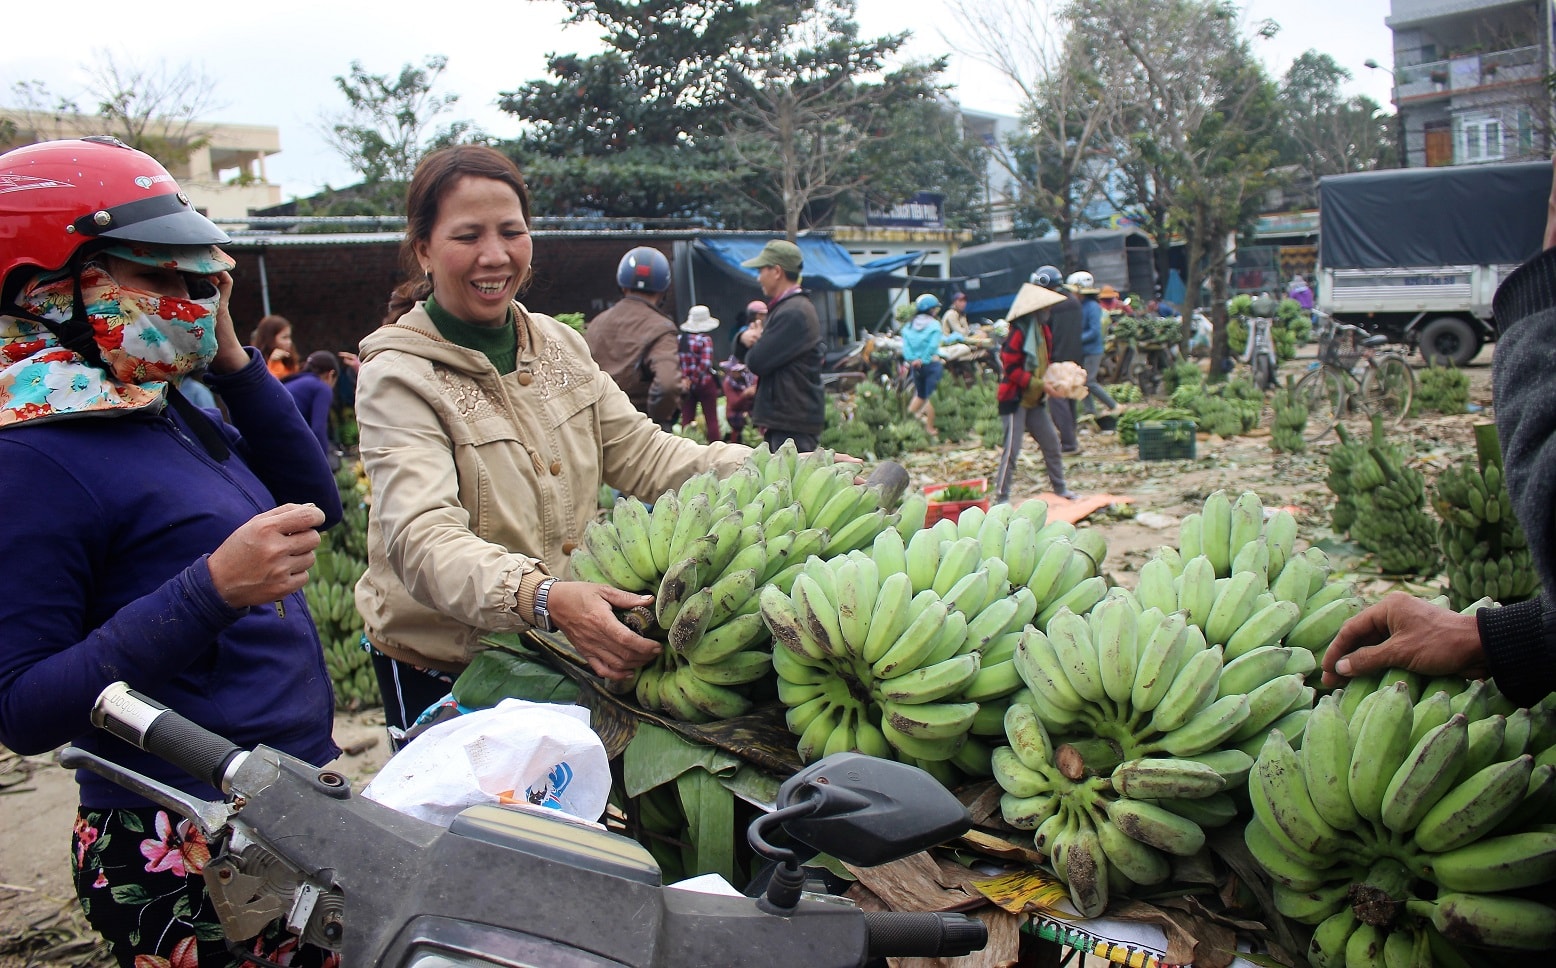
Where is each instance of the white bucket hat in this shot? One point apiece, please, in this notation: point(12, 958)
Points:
point(699, 320)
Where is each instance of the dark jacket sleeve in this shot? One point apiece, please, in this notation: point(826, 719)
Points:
point(50, 674)
point(275, 440)
point(1521, 645)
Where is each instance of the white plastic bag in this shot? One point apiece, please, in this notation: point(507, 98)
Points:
point(542, 754)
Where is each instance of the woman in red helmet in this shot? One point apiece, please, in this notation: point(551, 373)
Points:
point(150, 543)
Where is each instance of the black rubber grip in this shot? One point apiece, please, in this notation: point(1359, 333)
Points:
point(142, 721)
point(194, 749)
point(927, 934)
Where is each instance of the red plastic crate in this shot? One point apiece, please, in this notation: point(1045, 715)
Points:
point(951, 510)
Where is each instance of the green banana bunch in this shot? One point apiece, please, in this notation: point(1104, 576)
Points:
point(864, 662)
point(704, 551)
point(1486, 551)
point(1291, 414)
point(1412, 810)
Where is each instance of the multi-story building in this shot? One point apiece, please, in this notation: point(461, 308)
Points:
point(1472, 80)
point(224, 175)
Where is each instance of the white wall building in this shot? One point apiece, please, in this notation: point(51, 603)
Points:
point(224, 178)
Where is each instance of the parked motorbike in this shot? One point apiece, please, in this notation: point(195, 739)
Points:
point(513, 888)
point(1260, 352)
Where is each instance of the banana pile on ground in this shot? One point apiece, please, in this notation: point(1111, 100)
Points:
point(1486, 550)
point(1406, 828)
point(1343, 459)
point(1135, 727)
point(331, 595)
point(1290, 420)
point(908, 651)
point(1391, 520)
point(1242, 583)
point(703, 551)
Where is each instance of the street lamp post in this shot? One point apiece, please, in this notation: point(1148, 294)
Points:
point(1399, 113)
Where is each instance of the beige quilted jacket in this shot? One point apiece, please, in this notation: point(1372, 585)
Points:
point(482, 484)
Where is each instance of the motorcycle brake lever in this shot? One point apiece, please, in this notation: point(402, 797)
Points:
point(208, 816)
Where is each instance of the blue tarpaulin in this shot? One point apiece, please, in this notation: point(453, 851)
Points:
point(827, 264)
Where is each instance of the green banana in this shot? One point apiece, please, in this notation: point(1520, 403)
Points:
point(1156, 826)
point(1380, 748)
point(1039, 667)
point(661, 529)
point(1029, 740)
point(735, 635)
point(1192, 690)
point(633, 523)
point(1161, 655)
point(1154, 778)
point(1505, 863)
point(931, 683)
point(1252, 670)
point(1326, 761)
point(1207, 729)
point(1216, 528)
point(1280, 797)
point(1233, 606)
point(1330, 940)
point(736, 669)
point(915, 642)
point(1070, 636)
point(1475, 807)
point(929, 721)
point(1016, 778)
point(1429, 772)
point(1265, 627)
point(919, 748)
point(1482, 919)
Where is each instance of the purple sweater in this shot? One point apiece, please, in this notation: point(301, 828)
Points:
point(313, 397)
point(111, 522)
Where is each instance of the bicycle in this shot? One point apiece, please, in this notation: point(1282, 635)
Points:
point(1353, 381)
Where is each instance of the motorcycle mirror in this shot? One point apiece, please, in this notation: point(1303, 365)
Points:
point(870, 811)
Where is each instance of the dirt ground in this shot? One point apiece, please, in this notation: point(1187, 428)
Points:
point(41, 926)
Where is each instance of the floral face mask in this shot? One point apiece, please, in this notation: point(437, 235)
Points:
point(145, 340)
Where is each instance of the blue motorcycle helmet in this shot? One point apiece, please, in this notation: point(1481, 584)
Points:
point(644, 269)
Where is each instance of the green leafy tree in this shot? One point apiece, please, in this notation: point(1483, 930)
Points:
point(389, 123)
point(1322, 132)
point(633, 131)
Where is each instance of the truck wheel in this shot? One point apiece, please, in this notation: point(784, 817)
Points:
point(1449, 339)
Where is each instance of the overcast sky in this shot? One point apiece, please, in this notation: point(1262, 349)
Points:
point(274, 64)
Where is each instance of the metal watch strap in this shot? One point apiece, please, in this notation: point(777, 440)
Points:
point(542, 613)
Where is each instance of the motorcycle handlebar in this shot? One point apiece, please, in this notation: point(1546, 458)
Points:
point(151, 726)
point(923, 934)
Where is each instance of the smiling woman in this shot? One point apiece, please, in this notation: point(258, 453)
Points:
point(486, 432)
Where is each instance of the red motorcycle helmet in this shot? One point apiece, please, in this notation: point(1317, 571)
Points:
point(62, 199)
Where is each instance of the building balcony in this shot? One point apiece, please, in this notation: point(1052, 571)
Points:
point(1459, 75)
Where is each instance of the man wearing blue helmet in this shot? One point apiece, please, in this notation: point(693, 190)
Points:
point(635, 342)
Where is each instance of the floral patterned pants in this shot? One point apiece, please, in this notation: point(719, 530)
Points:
point(138, 879)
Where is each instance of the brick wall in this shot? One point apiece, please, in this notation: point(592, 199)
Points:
point(336, 294)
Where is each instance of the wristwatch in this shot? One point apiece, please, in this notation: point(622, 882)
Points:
point(543, 614)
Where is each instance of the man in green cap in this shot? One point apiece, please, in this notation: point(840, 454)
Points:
point(787, 358)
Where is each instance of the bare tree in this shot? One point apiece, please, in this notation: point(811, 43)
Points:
point(1057, 159)
point(1203, 123)
point(157, 109)
point(801, 109)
